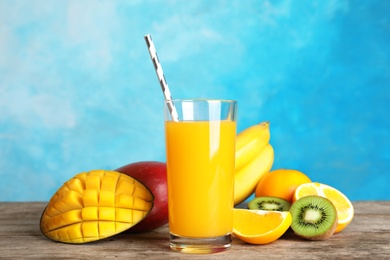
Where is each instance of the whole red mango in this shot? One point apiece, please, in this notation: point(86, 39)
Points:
point(154, 176)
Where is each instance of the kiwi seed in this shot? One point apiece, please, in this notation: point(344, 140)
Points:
point(269, 203)
point(313, 217)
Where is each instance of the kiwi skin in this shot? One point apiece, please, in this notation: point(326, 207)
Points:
point(307, 229)
point(269, 203)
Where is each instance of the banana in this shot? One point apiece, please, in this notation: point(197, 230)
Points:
point(246, 178)
point(250, 142)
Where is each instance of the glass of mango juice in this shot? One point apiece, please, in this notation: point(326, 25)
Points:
point(200, 151)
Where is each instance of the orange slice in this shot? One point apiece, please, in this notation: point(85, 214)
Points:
point(260, 226)
point(343, 205)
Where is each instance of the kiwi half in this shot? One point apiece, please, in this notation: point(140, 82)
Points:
point(269, 203)
point(313, 217)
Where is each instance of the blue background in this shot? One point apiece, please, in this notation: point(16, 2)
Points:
point(78, 90)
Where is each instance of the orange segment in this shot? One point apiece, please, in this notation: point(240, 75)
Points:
point(260, 226)
point(343, 205)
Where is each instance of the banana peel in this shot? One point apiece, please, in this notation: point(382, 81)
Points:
point(254, 158)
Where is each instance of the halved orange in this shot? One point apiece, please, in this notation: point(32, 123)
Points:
point(343, 205)
point(260, 226)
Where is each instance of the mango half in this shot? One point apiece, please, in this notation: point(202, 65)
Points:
point(95, 205)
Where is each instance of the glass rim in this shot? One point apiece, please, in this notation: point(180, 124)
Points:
point(201, 100)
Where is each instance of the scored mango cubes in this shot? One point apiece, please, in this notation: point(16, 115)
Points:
point(95, 205)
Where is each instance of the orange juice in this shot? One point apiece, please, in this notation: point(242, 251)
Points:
point(200, 168)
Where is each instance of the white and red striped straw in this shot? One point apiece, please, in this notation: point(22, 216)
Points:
point(161, 77)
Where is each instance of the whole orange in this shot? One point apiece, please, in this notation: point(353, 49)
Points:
point(281, 183)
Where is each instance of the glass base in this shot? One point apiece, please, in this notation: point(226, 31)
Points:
point(200, 245)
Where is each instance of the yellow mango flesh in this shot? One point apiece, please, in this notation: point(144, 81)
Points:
point(95, 205)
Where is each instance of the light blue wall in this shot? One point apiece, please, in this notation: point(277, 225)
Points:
point(78, 90)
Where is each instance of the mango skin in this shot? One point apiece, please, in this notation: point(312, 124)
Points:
point(153, 175)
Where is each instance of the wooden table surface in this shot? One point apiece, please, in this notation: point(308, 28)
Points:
point(367, 237)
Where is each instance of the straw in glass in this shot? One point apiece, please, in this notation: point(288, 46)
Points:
point(161, 77)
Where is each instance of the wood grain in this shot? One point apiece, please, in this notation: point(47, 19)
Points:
point(367, 237)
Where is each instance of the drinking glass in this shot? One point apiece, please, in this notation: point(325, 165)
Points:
point(200, 154)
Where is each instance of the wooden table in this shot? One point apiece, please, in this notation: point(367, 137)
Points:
point(367, 237)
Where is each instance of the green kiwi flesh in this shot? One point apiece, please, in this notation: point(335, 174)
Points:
point(269, 203)
point(313, 217)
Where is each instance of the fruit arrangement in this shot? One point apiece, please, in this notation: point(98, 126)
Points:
point(284, 198)
point(313, 210)
point(133, 198)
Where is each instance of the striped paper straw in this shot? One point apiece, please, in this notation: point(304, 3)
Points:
point(161, 77)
